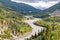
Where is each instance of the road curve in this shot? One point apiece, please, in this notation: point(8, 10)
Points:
point(35, 29)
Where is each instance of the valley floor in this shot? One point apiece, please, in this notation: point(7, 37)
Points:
point(35, 29)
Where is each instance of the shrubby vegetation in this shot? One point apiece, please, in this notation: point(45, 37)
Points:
point(52, 30)
point(53, 18)
point(19, 27)
point(12, 23)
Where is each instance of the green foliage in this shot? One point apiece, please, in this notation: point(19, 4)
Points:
point(42, 15)
point(6, 35)
point(13, 20)
point(52, 30)
point(19, 27)
point(53, 18)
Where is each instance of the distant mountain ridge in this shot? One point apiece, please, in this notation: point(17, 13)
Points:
point(53, 8)
point(56, 12)
point(20, 7)
point(25, 8)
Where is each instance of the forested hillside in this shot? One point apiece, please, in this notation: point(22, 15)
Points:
point(11, 23)
point(19, 7)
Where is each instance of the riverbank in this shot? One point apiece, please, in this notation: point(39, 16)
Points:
point(35, 29)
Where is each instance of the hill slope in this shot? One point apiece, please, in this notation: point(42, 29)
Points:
point(56, 12)
point(11, 23)
point(47, 12)
point(20, 7)
point(53, 8)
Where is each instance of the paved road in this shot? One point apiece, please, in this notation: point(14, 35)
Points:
point(35, 29)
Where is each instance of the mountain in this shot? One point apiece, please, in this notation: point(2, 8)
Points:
point(19, 7)
point(53, 8)
point(56, 12)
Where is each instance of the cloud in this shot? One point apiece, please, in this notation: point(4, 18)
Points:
point(39, 3)
point(43, 4)
point(35, 0)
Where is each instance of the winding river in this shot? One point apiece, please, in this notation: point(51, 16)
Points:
point(35, 29)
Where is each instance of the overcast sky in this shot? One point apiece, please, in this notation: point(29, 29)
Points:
point(39, 3)
point(35, 0)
